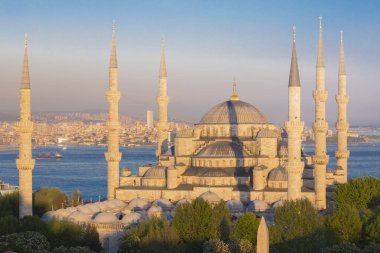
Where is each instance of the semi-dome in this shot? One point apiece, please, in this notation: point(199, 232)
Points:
point(210, 197)
point(223, 149)
point(235, 206)
point(257, 205)
point(106, 218)
point(278, 174)
point(233, 112)
point(156, 172)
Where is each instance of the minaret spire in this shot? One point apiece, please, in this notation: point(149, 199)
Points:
point(294, 127)
point(294, 77)
point(25, 163)
point(113, 155)
point(320, 127)
point(162, 102)
point(234, 96)
point(342, 153)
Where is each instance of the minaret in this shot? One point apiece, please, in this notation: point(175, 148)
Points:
point(113, 156)
point(320, 127)
point(262, 237)
point(342, 152)
point(25, 163)
point(162, 101)
point(294, 127)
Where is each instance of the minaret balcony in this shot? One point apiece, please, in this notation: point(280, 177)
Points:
point(320, 159)
point(294, 126)
point(294, 166)
point(113, 156)
point(320, 126)
point(25, 164)
point(25, 126)
point(320, 95)
point(162, 100)
point(342, 154)
point(113, 125)
point(342, 126)
point(341, 99)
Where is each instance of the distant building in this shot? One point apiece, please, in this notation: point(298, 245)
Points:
point(149, 119)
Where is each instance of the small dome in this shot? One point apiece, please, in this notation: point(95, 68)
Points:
point(223, 149)
point(257, 205)
point(156, 172)
point(126, 211)
point(48, 216)
point(110, 204)
point(102, 206)
point(278, 174)
point(119, 203)
point(210, 197)
point(182, 201)
point(278, 203)
point(235, 206)
point(106, 218)
point(138, 204)
point(94, 207)
point(85, 210)
point(266, 133)
point(78, 216)
point(233, 112)
point(63, 213)
point(154, 211)
point(163, 203)
point(132, 218)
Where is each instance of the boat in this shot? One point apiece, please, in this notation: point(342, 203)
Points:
point(48, 156)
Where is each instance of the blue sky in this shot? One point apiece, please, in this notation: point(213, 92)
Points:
point(207, 44)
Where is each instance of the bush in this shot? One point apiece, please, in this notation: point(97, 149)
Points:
point(215, 246)
point(345, 224)
point(246, 227)
point(241, 246)
point(372, 229)
point(358, 192)
point(44, 199)
point(9, 224)
point(33, 223)
point(27, 242)
point(372, 248)
point(64, 233)
point(90, 239)
point(9, 204)
point(345, 247)
point(63, 249)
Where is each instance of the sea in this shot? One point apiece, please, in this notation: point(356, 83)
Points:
point(84, 168)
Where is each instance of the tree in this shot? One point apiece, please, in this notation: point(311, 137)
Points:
point(358, 192)
point(246, 227)
point(78, 249)
point(241, 246)
point(27, 242)
point(44, 199)
point(64, 233)
point(372, 229)
point(372, 248)
point(9, 204)
point(90, 238)
point(9, 224)
point(345, 247)
point(345, 224)
point(33, 223)
point(298, 228)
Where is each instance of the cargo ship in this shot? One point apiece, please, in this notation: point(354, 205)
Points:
point(47, 156)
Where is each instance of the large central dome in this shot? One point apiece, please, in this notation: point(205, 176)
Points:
point(234, 112)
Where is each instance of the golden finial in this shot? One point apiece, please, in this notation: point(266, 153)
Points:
point(234, 96)
point(294, 33)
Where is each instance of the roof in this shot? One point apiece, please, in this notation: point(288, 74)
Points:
point(278, 174)
point(217, 172)
point(257, 205)
point(211, 197)
point(222, 149)
point(138, 204)
point(156, 172)
point(235, 206)
point(234, 112)
point(266, 133)
point(106, 218)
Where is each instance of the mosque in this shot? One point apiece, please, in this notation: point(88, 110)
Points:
point(233, 154)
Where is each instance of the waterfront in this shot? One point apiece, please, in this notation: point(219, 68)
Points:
point(84, 167)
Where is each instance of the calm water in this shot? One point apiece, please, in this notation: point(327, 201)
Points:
point(84, 167)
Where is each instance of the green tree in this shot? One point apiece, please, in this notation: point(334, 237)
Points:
point(358, 192)
point(64, 233)
point(372, 248)
point(9, 204)
point(77, 249)
point(298, 228)
point(90, 238)
point(33, 223)
point(9, 224)
point(246, 227)
point(44, 199)
point(27, 242)
point(215, 246)
point(345, 224)
point(372, 229)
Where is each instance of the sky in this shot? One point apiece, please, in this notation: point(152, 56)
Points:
point(208, 43)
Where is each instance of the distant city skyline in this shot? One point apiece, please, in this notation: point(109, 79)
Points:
point(207, 44)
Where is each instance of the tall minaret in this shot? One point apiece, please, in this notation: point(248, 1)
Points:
point(25, 163)
point(162, 101)
point(342, 152)
point(113, 156)
point(320, 127)
point(294, 127)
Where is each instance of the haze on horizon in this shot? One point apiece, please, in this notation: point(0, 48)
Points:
point(207, 44)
